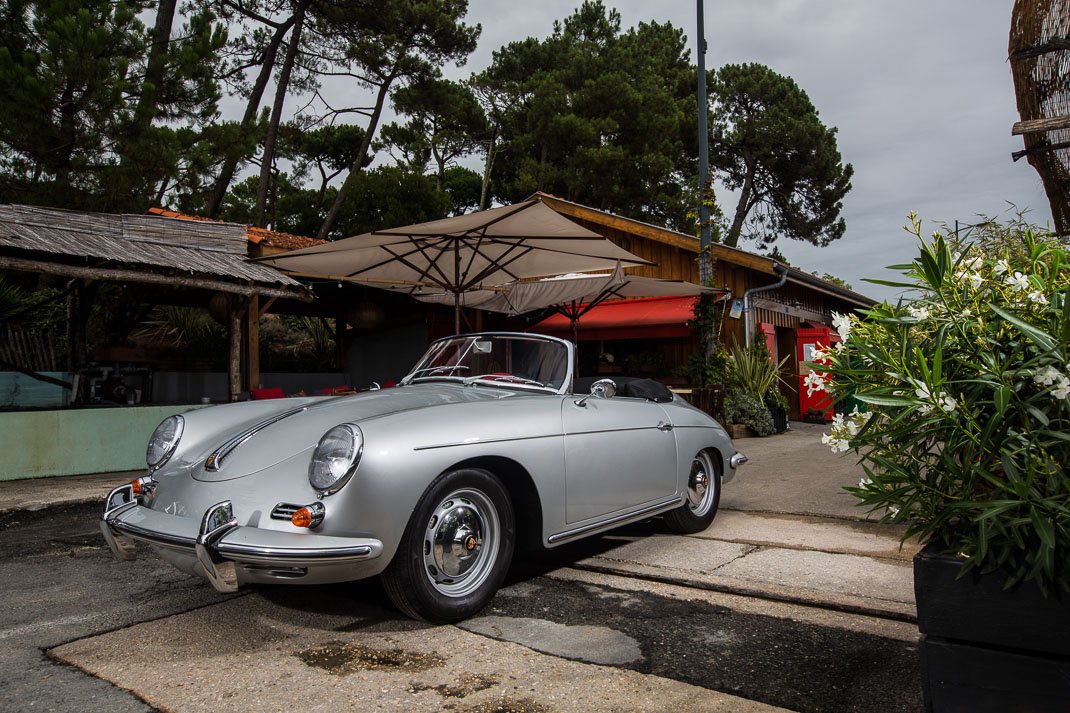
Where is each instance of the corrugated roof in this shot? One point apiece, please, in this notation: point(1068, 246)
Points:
point(201, 247)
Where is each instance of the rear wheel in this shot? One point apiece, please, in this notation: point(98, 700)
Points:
point(456, 548)
point(703, 496)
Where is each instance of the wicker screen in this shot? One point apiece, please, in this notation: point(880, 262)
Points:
point(1039, 52)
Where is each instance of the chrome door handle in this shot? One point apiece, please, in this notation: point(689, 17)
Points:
point(662, 426)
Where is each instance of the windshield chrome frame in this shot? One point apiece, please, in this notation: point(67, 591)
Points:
point(570, 351)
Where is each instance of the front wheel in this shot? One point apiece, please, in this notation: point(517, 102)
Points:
point(703, 496)
point(455, 550)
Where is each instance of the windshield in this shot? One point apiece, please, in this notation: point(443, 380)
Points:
point(495, 359)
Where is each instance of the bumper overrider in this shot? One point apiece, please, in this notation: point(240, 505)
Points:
point(226, 553)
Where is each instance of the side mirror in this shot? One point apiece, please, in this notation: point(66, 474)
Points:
point(603, 389)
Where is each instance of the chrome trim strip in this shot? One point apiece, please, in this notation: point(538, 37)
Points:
point(276, 554)
point(151, 535)
point(215, 460)
point(127, 489)
point(667, 504)
point(482, 442)
point(255, 553)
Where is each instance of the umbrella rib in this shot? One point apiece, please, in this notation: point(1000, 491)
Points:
point(502, 266)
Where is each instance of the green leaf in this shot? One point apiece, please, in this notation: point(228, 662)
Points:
point(1043, 527)
point(1002, 398)
point(1041, 339)
point(889, 283)
point(878, 400)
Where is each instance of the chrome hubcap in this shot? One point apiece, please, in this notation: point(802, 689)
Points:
point(461, 542)
point(700, 486)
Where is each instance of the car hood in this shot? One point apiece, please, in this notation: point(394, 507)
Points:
point(271, 437)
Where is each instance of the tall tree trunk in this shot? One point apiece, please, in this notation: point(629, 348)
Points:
point(743, 206)
point(128, 184)
point(267, 159)
point(155, 70)
point(252, 109)
point(358, 162)
point(488, 164)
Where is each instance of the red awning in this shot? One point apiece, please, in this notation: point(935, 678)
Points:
point(651, 318)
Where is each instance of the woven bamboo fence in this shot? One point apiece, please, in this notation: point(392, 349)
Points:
point(26, 350)
point(1039, 53)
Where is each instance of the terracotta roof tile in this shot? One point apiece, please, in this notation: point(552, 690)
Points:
point(255, 235)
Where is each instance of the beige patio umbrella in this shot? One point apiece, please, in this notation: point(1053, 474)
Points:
point(456, 255)
point(572, 295)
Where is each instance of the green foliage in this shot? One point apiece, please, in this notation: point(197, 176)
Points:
point(383, 196)
point(754, 370)
point(742, 406)
point(446, 124)
point(74, 101)
point(598, 116)
point(769, 143)
point(968, 398)
point(13, 299)
point(296, 343)
point(836, 281)
point(179, 327)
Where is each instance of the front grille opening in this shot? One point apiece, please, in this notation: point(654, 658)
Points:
point(277, 572)
point(284, 511)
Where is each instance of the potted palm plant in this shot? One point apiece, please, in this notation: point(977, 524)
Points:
point(966, 438)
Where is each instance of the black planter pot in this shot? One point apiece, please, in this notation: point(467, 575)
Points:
point(780, 418)
point(989, 650)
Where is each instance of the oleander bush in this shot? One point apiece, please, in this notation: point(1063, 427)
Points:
point(965, 384)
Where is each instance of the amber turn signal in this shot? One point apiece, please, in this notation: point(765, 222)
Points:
point(302, 518)
point(308, 516)
point(142, 486)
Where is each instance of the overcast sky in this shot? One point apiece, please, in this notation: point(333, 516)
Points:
point(920, 91)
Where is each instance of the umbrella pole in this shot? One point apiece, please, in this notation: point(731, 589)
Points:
point(576, 345)
point(456, 312)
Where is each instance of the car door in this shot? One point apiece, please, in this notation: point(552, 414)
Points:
point(619, 453)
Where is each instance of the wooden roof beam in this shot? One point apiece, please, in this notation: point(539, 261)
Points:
point(127, 275)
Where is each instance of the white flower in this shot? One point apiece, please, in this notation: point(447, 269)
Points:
point(1001, 267)
point(893, 510)
point(942, 399)
point(1038, 297)
point(917, 312)
point(814, 381)
point(976, 279)
point(1046, 376)
point(842, 323)
point(966, 312)
point(838, 445)
point(1019, 282)
point(819, 353)
point(864, 482)
point(1062, 388)
point(840, 347)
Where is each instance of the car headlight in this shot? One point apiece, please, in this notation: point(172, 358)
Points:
point(164, 440)
point(335, 458)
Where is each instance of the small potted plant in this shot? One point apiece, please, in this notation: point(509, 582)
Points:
point(966, 439)
point(752, 386)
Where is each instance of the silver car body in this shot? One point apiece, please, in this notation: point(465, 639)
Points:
point(574, 467)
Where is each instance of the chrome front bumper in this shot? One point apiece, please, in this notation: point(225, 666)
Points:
point(220, 545)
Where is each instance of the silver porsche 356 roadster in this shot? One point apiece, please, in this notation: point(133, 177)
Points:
point(489, 443)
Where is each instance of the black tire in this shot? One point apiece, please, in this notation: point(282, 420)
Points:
point(703, 496)
point(470, 511)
